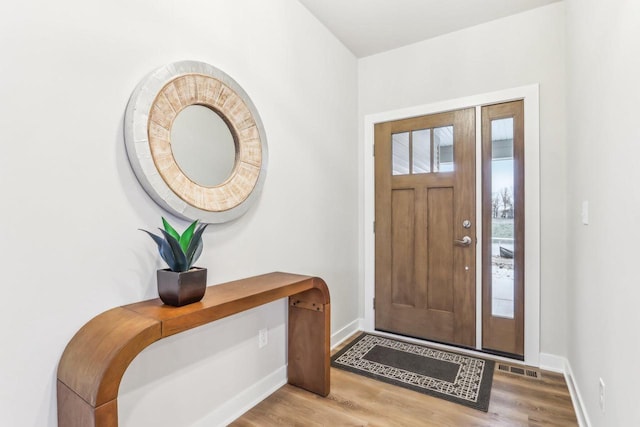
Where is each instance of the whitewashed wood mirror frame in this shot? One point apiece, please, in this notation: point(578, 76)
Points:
point(152, 109)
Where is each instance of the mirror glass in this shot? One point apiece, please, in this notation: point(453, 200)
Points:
point(203, 145)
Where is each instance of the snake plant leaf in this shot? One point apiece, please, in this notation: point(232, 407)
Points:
point(185, 239)
point(169, 229)
point(167, 255)
point(196, 254)
point(165, 250)
point(181, 259)
point(195, 246)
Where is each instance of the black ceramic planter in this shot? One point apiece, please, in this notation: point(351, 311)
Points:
point(182, 288)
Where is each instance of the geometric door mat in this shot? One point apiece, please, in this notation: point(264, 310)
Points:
point(451, 376)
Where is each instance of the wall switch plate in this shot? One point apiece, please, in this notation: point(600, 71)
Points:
point(263, 338)
point(585, 212)
point(601, 390)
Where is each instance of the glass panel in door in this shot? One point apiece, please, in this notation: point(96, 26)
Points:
point(421, 140)
point(502, 218)
point(443, 149)
point(400, 153)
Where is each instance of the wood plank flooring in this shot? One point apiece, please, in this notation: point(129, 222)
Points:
point(358, 401)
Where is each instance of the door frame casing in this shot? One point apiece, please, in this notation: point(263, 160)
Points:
point(530, 95)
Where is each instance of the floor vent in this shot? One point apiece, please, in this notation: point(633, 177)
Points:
point(518, 370)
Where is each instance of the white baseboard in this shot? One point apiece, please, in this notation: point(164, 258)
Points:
point(246, 400)
point(576, 397)
point(255, 394)
point(553, 363)
point(344, 333)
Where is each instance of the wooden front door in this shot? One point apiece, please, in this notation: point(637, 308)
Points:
point(425, 227)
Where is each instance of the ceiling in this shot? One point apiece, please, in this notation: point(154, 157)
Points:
point(368, 27)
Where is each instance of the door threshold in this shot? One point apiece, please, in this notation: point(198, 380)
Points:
point(450, 347)
point(503, 354)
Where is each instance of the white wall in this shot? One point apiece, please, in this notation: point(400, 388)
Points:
point(70, 248)
point(515, 51)
point(603, 41)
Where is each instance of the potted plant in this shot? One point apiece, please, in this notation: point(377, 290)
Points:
point(181, 283)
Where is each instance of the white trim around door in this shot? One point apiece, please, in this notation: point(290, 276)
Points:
point(532, 206)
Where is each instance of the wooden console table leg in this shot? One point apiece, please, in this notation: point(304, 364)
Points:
point(309, 342)
point(73, 411)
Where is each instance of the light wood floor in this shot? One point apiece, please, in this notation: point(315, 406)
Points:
point(358, 401)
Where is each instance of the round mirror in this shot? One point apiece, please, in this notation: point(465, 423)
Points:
point(203, 145)
point(195, 142)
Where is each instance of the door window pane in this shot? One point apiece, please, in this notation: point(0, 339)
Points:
point(421, 141)
point(400, 151)
point(443, 149)
point(422, 151)
point(502, 218)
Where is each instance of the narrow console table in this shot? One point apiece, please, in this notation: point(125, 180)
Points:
point(96, 358)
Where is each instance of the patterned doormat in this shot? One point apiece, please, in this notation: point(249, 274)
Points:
point(450, 376)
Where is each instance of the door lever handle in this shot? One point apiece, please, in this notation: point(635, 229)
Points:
point(466, 241)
